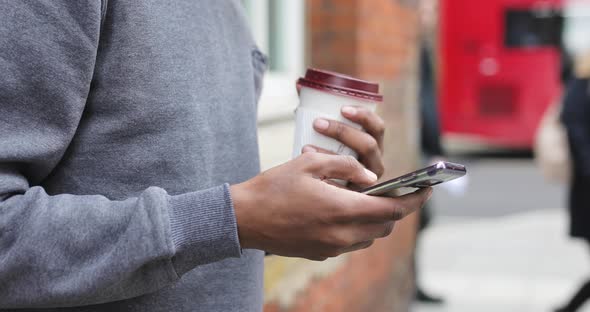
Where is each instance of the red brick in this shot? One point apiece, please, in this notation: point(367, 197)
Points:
point(374, 31)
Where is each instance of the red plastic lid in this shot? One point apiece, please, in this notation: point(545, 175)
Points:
point(340, 84)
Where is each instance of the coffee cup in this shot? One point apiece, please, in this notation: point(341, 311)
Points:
point(322, 94)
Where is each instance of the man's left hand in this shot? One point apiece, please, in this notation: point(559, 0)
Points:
point(368, 145)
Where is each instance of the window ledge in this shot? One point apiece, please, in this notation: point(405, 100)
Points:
point(278, 99)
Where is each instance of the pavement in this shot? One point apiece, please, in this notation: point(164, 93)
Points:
point(502, 244)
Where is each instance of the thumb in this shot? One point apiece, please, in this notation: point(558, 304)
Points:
point(325, 166)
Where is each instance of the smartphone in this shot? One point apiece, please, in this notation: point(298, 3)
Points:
point(438, 173)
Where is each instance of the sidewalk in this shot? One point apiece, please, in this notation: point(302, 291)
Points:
point(520, 262)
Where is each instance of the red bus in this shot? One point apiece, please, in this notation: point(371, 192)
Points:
point(500, 65)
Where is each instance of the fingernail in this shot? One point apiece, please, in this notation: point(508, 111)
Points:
point(371, 174)
point(321, 124)
point(309, 149)
point(349, 110)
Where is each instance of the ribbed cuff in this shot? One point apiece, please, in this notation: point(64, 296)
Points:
point(203, 228)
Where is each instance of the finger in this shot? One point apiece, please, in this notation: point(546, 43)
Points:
point(315, 149)
point(370, 121)
point(361, 235)
point(361, 142)
point(358, 140)
point(374, 164)
point(366, 231)
point(379, 209)
point(357, 246)
point(337, 184)
point(346, 168)
point(371, 162)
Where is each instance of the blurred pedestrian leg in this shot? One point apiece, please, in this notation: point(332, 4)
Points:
point(431, 149)
point(578, 299)
point(576, 118)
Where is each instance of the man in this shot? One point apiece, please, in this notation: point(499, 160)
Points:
point(128, 162)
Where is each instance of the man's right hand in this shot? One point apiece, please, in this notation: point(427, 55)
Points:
point(290, 210)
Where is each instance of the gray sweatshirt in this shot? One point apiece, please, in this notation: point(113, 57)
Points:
point(121, 125)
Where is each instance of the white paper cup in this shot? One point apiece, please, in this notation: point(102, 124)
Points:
point(322, 94)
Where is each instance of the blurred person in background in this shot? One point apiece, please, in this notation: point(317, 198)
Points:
point(576, 119)
point(430, 142)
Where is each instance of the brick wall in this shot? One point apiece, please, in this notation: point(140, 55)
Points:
point(375, 40)
point(372, 38)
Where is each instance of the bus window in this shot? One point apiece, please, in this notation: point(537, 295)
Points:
point(533, 28)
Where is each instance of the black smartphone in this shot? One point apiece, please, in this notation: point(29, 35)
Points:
point(438, 173)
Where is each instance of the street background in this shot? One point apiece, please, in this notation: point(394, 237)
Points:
point(503, 244)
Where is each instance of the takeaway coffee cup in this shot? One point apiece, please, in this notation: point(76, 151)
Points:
point(322, 94)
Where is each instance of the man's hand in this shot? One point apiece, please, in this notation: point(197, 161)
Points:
point(290, 210)
point(368, 145)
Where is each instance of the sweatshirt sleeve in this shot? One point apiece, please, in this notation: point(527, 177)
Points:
point(64, 250)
